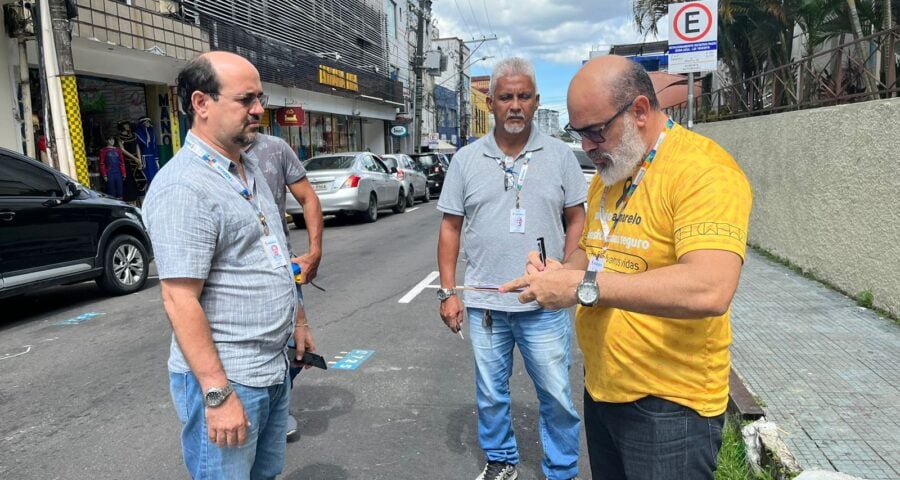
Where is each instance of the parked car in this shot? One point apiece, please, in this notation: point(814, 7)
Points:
point(411, 175)
point(587, 165)
point(354, 182)
point(54, 231)
point(436, 164)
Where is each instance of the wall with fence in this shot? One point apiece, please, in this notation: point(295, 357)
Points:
point(826, 190)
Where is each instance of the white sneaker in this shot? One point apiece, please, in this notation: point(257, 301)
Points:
point(498, 471)
point(291, 426)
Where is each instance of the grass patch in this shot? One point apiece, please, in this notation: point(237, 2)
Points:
point(732, 461)
point(864, 299)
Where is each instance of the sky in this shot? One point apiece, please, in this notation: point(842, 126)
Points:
point(555, 35)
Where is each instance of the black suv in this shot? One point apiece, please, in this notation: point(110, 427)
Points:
point(435, 166)
point(54, 231)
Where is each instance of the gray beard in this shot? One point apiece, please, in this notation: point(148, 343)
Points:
point(626, 157)
point(513, 130)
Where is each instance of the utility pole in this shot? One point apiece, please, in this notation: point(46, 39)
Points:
point(463, 117)
point(424, 14)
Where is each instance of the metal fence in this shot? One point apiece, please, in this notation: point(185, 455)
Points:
point(845, 74)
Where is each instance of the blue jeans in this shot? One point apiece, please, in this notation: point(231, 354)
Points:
point(650, 439)
point(544, 340)
point(261, 457)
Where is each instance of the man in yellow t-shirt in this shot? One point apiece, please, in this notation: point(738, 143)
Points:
point(658, 265)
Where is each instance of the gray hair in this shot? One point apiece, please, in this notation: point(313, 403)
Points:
point(510, 67)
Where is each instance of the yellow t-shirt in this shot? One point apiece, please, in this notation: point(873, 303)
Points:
point(693, 197)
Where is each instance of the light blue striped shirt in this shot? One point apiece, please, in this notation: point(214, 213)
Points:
point(202, 228)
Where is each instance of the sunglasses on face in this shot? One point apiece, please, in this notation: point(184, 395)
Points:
point(594, 132)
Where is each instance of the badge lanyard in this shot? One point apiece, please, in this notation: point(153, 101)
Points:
point(520, 181)
point(600, 260)
point(238, 186)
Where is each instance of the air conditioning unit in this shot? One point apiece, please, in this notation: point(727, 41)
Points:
point(17, 20)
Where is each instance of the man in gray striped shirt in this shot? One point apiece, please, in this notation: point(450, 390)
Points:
point(225, 278)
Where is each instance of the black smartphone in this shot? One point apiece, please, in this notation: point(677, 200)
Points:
point(313, 359)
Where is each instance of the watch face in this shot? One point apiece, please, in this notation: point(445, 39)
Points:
point(587, 294)
point(441, 295)
point(214, 398)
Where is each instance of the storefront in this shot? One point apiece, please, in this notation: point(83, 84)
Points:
point(314, 133)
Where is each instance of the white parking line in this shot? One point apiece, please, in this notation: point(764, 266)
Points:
point(419, 287)
point(412, 209)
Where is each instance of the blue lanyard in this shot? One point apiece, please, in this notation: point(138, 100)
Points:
point(520, 181)
point(235, 183)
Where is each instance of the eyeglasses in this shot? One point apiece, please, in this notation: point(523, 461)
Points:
point(593, 132)
point(247, 100)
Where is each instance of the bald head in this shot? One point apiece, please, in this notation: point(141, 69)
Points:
point(206, 73)
point(612, 80)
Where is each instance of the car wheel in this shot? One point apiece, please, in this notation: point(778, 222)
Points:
point(371, 213)
point(400, 207)
point(299, 221)
point(125, 266)
point(411, 197)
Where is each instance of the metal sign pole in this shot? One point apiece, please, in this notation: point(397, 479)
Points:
point(690, 112)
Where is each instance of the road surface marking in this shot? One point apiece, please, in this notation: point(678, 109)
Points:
point(353, 359)
point(418, 288)
point(80, 319)
point(26, 347)
point(412, 209)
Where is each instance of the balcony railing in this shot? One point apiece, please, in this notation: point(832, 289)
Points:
point(843, 74)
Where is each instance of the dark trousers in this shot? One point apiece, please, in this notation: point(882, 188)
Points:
point(114, 186)
point(650, 439)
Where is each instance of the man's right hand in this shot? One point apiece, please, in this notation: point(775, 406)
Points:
point(227, 424)
point(452, 313)
point(534, 264)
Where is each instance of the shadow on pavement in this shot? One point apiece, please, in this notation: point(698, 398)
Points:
point(48, 301)
point(321, 404)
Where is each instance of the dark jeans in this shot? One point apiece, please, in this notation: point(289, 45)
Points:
point(650, 439)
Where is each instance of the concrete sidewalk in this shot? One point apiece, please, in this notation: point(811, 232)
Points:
point(826, 370)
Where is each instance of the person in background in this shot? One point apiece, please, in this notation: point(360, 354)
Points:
point(284, 171)
point(654, 274)
point(508, 189)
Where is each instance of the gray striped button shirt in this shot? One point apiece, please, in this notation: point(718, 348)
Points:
point(202, 228)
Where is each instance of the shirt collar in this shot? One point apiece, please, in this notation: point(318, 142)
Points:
point(246, 159)
point(533, 144)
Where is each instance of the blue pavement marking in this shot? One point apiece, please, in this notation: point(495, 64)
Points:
point(80, 319)
point(353, 360)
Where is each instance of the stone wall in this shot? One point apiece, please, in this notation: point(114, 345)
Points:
point(826, 191)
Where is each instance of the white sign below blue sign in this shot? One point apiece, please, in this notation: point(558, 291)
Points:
point(353, 359)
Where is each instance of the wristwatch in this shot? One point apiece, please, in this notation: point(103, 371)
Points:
point(445, 293)
point(588, 292)
point(215, 396)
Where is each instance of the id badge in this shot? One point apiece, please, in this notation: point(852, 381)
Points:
point(273, 251)
point(517, 220)
point(597, 263)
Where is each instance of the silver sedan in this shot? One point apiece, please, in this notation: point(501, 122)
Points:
point(354, 182)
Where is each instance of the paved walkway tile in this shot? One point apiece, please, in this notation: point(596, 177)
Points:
point(827, 371)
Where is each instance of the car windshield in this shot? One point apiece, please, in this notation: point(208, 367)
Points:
point(391, 162)
point(337, 162)
point(426, 160)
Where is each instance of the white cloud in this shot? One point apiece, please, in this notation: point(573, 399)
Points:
point(561, 31)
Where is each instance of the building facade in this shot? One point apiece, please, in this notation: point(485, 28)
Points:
point(333, 70)
point(481, 123)
point(548, 121)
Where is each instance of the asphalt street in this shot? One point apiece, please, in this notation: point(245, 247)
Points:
point(86, 397)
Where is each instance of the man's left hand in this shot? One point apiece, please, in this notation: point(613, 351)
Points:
point(304, 340)
point(309, 266)
point(554, 289)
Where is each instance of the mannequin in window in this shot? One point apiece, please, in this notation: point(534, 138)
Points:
point(146, 138)
point(127, 142)
point(112, 167)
